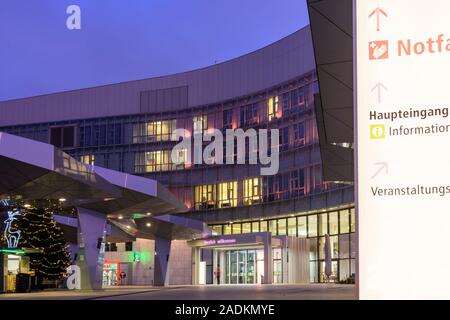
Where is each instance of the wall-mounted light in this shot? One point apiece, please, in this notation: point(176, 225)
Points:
point(149, 213)
point(120, 217)
point(62, 199)
point(27, 205)
point(148, 224)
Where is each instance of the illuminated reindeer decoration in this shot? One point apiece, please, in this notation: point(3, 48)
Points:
point(12, 236)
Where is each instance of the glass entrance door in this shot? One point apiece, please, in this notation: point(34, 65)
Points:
point(240, 267)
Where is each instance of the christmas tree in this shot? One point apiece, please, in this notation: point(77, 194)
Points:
point(40, 231)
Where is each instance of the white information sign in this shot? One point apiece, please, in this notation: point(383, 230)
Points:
point(403, 148)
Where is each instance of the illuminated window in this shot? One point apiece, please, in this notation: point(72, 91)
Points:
point(205, 197)
point(323, 224)
point(352, 219)
point(282, 227)
point(181, 158)
point(227, 229)
point(344, 221)
point(88, 159)
point(301, 226)
point(273, 227)
point(252, 191)
point(236, 228)
point(292, 227)
point(312, 226)
point(217, 230)
point(273, 108)
point(333, 223)
point(246, 227)
point(200, 124)
point(153, 131)
point(227, 195)
point(263, 226)
point(159, 160)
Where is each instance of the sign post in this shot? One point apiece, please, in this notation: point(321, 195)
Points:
point(402, 151)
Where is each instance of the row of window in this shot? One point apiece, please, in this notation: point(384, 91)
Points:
point(311, 226)
point(121, 130)
point(112, 246)
point(160, 160)
point(339, 224)
point(255, 190)
point(161, 130)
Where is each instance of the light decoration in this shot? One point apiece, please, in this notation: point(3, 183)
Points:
point(12, 236)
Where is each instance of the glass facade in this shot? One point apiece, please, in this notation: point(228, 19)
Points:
point(141, 144)
point(313, 226)
point(240, 267)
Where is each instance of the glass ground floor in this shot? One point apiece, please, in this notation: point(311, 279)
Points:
point(338, 223)
point(256, 258)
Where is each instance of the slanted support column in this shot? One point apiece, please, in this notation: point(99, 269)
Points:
point(91, 228)
point(162, 251)
point(268, 262)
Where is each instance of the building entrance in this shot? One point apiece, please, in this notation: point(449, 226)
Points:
point(111, 273)
point(241, 266)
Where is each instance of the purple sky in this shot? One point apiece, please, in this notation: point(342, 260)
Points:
point(124, 40)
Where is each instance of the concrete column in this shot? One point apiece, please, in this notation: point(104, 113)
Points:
point(268, 261)
point(195, 265)
point(162, 251)
point(214, 267)
point(222, 267)
point(285, 256)
point(91, 235)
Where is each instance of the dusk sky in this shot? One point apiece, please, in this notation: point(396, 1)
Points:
point(123, 40)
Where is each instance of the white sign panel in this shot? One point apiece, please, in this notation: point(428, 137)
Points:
point(403, 148)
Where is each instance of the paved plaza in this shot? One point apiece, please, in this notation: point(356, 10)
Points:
point(208, 292)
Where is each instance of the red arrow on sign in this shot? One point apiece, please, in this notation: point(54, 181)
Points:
point(378, 12)
point(378, 87)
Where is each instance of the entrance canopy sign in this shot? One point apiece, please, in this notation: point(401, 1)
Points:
point(403, 178)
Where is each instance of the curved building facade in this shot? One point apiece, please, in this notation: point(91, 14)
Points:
point(127, 127)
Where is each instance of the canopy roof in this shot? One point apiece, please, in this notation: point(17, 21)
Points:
point(33, 170)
